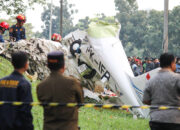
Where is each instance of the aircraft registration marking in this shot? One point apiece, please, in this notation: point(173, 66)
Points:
point(102, 69)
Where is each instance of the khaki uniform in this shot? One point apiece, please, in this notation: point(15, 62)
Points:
point(58, 88)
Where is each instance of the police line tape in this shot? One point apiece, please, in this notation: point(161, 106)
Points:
point(88, 105)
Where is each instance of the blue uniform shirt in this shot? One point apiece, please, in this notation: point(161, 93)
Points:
point(17, 32)
point(1, 38)
point(15, 88)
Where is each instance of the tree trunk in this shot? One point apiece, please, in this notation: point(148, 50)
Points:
point(165, 37)
point(61, 21)
point(50, 26)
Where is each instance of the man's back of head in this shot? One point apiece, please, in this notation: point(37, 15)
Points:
point(167, 60)
point(19, 59)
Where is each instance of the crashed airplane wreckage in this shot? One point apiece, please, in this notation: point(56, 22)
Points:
point(100, 54)
point(96, 57)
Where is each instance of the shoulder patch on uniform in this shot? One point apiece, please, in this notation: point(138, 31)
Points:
point(11, 30)
point(9, 83)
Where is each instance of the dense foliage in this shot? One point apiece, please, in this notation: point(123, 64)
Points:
point(142, 31)
point(67, 19)
point(17, 6)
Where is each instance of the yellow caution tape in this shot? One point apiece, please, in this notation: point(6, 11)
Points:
point(163, 108)
point(144, 107)
point(71, 104)
point(89, 105)
point(53, 104)
point(35, 103)
point(108, 106)
point(125, 106)
point(17, 103)
point(1, 103)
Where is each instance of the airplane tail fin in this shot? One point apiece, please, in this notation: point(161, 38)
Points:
point(139, 82)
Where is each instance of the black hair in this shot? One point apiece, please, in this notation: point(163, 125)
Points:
point(166, 59)
point(19, 59)
point(146, 58)
point(56, 66)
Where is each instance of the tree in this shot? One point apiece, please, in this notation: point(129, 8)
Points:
point(67, 19)
point(28, 27)
point(125, 11)
point(126, 6)
point(165, 35)
point(143, 29)
point(174, 31)
point(17, 6)
point(83, 23)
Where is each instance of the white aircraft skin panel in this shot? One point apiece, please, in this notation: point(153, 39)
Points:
point(89, 54)
point(113, 50)
point(116, 62)
point(141, 80)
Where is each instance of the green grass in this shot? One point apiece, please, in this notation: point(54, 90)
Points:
point(89, 118)
point(103, 119)
point(5, 67)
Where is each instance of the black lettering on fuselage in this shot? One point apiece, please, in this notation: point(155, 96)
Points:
point(91, 55)
point(106, 75)
point(88, 49)
point(101, 67)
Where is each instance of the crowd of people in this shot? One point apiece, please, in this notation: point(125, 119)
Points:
point(140, 66)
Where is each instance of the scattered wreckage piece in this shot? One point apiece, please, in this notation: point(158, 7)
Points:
point(37, 50)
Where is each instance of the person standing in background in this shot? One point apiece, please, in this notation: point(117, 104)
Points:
point(3, 27)
point(164, 90)
point(17, 32)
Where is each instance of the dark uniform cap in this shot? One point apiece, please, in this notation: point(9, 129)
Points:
point(55, 60)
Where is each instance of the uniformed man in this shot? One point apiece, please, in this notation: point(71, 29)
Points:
point(3, 27)
point(16, 88)
point(17, 32)
point(62, 89)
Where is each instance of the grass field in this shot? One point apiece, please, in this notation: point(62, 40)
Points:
point(89, 118)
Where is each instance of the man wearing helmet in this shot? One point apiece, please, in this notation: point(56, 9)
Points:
point(3, 27)
point(56, 37)
point(17, 32)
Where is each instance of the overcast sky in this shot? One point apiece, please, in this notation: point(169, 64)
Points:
point(92, 7)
